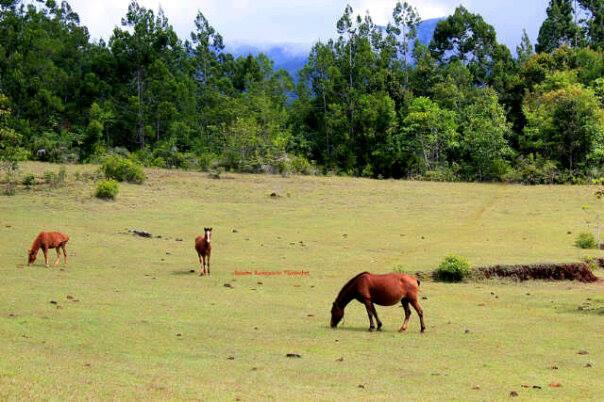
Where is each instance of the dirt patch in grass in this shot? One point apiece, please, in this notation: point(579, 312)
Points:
point(579, 271)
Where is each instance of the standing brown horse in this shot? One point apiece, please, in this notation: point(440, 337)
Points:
point(204, 249)
point(45, 241)
point(384, 290)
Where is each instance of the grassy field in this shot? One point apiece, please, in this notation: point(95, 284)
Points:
point(131, 322)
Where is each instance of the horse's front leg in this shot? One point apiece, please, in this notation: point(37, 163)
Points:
point(202, 265)
point(368, 303)
point(208, 264)
point(374, 311)
point(45, 251)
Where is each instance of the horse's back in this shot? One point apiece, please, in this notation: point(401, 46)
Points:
point(53, 239)
point(388, 289)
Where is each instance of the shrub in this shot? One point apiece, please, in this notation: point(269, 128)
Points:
point(55, 180)
point(29, 180)
point(206, 160)
point(585, 240)
point(123, 169)
point(60, 181)
point(534, 170)
point(10, 183)
point(107, 189)
point(453, 269)
point(49, 177)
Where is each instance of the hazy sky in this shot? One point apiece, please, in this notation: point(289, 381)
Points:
point(305, 21)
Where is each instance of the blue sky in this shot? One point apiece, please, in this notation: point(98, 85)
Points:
point(305, 21)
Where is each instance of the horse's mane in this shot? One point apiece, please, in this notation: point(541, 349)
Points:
point(350, 282)
point(36, 244)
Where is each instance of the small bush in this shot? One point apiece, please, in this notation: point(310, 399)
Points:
point(534, 170)
point(586, 240)
point(453, 269)
point(10, 185)
point(49, 177)
point(107, 189)
point(61, 176)
point(55, 180)
point(29, 180)
point(123, 169)
point(206, 160)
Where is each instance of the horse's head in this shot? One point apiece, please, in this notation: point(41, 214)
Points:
point(337, 313)
point(31, 257)
point(207, 232)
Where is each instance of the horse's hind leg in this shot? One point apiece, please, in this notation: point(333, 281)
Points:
point(64, 254)
point(368, 306)
point(405, 303)
point(374, 311)
point(58, 256)
point(420, 312)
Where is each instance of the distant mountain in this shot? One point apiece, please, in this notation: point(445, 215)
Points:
point(288, 56)
point(292, 56)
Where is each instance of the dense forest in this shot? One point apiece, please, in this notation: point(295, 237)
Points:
point(372, 102)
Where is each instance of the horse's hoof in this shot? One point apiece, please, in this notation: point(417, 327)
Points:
point(371, 329)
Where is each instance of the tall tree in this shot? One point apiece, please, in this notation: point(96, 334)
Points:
point(468, 38)
point(525, 50)
point(559, 28)
point(403, 29)
point(594, 21)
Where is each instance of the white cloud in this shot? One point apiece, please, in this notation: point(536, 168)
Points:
point(381, 10)
point(302, 21)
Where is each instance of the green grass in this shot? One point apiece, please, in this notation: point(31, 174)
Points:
point(119, 340)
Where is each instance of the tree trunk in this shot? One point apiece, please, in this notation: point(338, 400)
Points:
point(140, 125)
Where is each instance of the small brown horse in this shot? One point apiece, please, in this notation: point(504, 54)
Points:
point(46, 241)
point(384, 290)
point(203, 247)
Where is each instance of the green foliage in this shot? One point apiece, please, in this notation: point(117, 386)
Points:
point(484, 136)
point(453, 269)
point(123, 169)
point(429, 133)
point(107, 189)
point(565, 122)
point(49, 177)
point(586, 240)
point(559, 27)
point(29, 180)
point(55, 180)
point(463, 110)
point(533, 170)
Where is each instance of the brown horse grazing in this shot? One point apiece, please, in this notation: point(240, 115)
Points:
point(46, 241)
point(203, 247)
point(384, 290)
